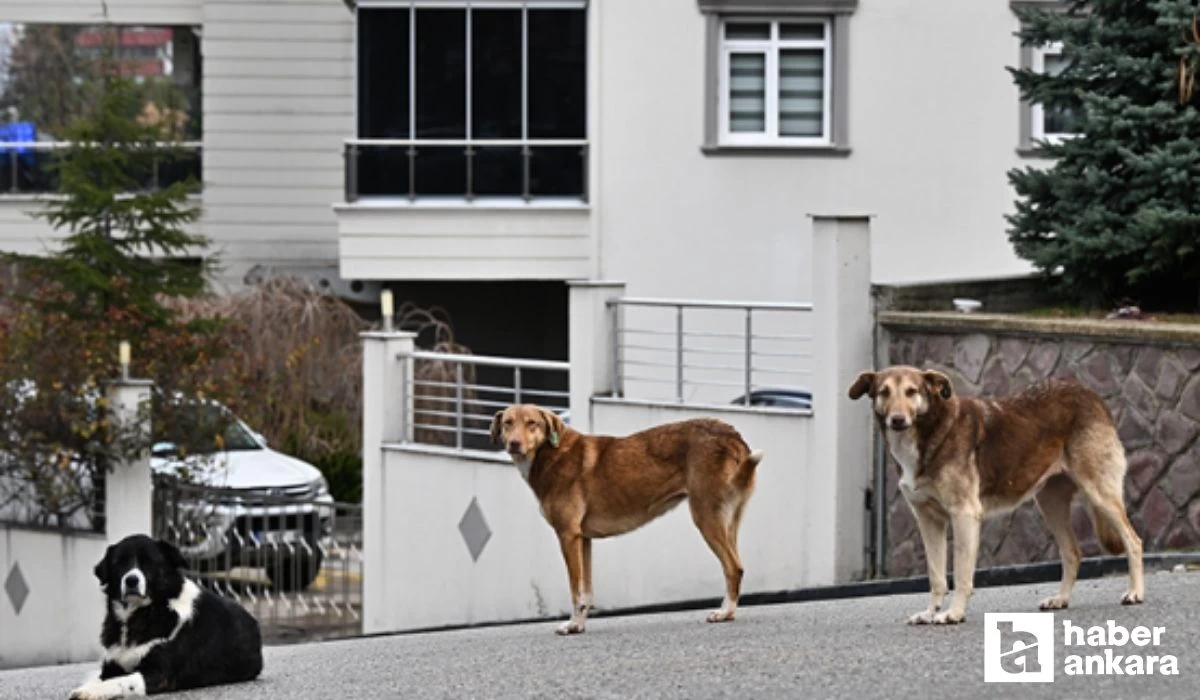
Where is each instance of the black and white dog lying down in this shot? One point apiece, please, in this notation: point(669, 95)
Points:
point(162, 632)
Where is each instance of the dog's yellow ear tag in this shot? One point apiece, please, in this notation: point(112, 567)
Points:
point(554, 438)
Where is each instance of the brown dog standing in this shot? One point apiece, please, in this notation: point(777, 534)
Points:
point(592, 486)
point(962, 459)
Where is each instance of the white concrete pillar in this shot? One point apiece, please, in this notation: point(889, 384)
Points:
point(128, 488)
point(842, 340)
point(387, 418)
point(592, 354)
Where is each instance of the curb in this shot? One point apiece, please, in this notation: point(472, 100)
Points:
point(1089, 568)
point(1014, 575)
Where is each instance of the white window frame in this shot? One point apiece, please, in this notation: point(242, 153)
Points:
point(1037, 112)
point(771, 48)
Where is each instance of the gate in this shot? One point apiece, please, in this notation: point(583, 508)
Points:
point(291, 558)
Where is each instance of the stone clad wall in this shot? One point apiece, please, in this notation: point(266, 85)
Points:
point(1151, 384)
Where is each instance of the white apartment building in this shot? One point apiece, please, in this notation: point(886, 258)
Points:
point(480, 154)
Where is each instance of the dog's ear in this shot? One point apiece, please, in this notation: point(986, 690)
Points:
point(101, 569)
point(554, 427)
point(863, 385)
point(496, 419)
point(171, 553)
point(938, 383)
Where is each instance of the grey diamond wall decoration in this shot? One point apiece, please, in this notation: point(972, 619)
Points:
point(474, 530)
point(16, 588)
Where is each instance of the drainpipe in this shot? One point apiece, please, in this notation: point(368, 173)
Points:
point(879, 467)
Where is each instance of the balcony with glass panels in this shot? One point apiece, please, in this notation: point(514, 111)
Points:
point(471, 156)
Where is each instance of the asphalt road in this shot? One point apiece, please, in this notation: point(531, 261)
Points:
point(857, 648)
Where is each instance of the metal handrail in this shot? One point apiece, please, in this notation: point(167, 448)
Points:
point(413, 146)
point(488, 360)
point(713, 304)
point(682, 351)
point(13, 152)
point(275, 555)
point(482, 143)
point(455, 411)
point(53, 145)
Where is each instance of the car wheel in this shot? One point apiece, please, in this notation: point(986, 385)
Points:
point(295, 572)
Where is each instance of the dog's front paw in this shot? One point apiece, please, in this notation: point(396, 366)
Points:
point(88, 691)
point(948, 618)
point(721, 615)
point(1133, 598)
point(925, 617)
point(1054, 602)
point(569, 627)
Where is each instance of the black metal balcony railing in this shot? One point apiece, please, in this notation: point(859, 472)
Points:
point(528, 169)
point(29, 167)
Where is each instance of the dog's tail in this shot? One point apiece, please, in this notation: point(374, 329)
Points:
point(745, 472)
point(1110, 539)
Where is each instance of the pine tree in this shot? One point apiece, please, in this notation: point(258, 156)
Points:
point(127, 253)
point(48, 80)
point(127, 242)
point(1117, 214)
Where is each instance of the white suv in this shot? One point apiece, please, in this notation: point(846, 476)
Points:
point(246, 505)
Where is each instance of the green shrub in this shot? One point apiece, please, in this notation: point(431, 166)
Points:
point(343, 471)
point(1117, 215)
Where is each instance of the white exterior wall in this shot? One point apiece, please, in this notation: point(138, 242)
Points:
point(90, 11)
point(933, 127)
point(60, 619)
point(483, 242)
point(278, 102)
point(21, 233)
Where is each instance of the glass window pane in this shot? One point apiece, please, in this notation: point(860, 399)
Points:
point(802, 30)
point(557, 74)
point(496, 74)
point(441, 170)
point(383, 171)
point(28, 170)
point(747, 30)
point(747, 92)
point(1056, 120)
point(1053, 63)
point(498, 171)
point(801, 92)
point(178, 165)
point(556, 171)
point(441, 74)
point(383, 73)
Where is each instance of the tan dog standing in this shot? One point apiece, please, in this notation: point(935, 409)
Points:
point(592, 486)
point(963, 459)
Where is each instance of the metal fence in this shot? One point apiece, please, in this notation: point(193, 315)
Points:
point(528, 168)
point(53, 498)
point(695, 351)
point(29, 167)
point(455, 396)
point(291, 557)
